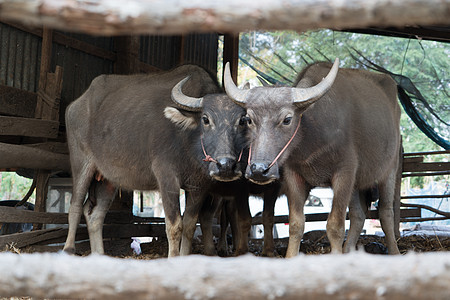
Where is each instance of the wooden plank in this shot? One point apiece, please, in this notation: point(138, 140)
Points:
point(423, 174)
point(58, 235)
point(55, 147)
point(46, 60)
point(109, 17)
point(28, 127)
point(68, 41)
point(24, 239)
point(413, 159)
point(42, 178)
point(16, 102)
point(426, 153)
point(12, 215)
point(429, 166)
point(18, 156)
point(350, 276)
point(127, 61)
point(231, 54)
point(426, 196)
point(371, 214)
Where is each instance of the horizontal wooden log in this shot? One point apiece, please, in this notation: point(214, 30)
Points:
point(28, 127)
point(353, 276)
point(16, 102)
point(112, 17)
point(423, 174)
point(318, 217)
point(413, 159)
point(426, 153)
point(58, 235)
point(18, 156)
point(432, 209)
point(12, 215)
point(425, 167)
point(425, 196)
point(54, 147)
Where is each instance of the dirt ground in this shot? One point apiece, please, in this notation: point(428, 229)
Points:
point(314, 242)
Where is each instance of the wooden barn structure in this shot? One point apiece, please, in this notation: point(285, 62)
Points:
point(52, 50)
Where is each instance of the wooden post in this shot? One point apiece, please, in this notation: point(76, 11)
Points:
point(397, 192)
point(231, 54)
point(46, 60)
point(127, 48)
point(182, 45)
point(42, 177)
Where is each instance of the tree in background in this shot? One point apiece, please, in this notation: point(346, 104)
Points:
point(14, 187)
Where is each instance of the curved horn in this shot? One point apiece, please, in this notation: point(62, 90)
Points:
point(308, 95)
point(235, 93)
point(183, 101)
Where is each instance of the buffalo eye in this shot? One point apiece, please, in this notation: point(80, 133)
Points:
point(287, 120)
point(243, 120)
point(205, 120)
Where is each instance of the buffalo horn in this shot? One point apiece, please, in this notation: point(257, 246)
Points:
point(183, 101)
point(236, 94)
point(305, 95)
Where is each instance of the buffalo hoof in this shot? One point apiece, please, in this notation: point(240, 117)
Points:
point(70, 250)
point(270, 253)
point(240, 252)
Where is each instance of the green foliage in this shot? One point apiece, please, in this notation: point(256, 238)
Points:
point(14, 187)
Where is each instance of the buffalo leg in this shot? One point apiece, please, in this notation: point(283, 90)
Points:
point(193, 204)
point(342, 184)
point(244, 222)
point(170, 195)
point(82, 175)
point(297, 191)
point(357, 215)
point(95, 216)
point(386, 211)
point(232, 216)
point(206, 217)
point(268, 221)
point(222, 245)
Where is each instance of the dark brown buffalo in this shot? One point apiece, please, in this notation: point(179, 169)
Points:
point(128, 130)
point(339, 130)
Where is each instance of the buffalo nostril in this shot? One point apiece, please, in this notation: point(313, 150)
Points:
point(259, 168)
point(226, 164)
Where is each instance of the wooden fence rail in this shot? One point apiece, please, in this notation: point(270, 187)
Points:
point(138, 226)
point(352, 276)
point(110, 17)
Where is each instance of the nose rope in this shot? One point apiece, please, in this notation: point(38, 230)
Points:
point(240, 155)
point(208, 158)
point(285, 147)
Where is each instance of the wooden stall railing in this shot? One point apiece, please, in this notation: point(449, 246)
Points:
point(124, 225)
point(414, 165)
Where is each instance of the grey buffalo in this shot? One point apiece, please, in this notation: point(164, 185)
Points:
point(338, 129)
point(142, 132)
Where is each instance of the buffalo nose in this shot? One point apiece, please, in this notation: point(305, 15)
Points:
point(259, 169)
point(261, 173)
point(226, 164)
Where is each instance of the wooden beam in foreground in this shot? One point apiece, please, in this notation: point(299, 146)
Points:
point(113, 17)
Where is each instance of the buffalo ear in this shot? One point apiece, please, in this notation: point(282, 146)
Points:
point(182, 119)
